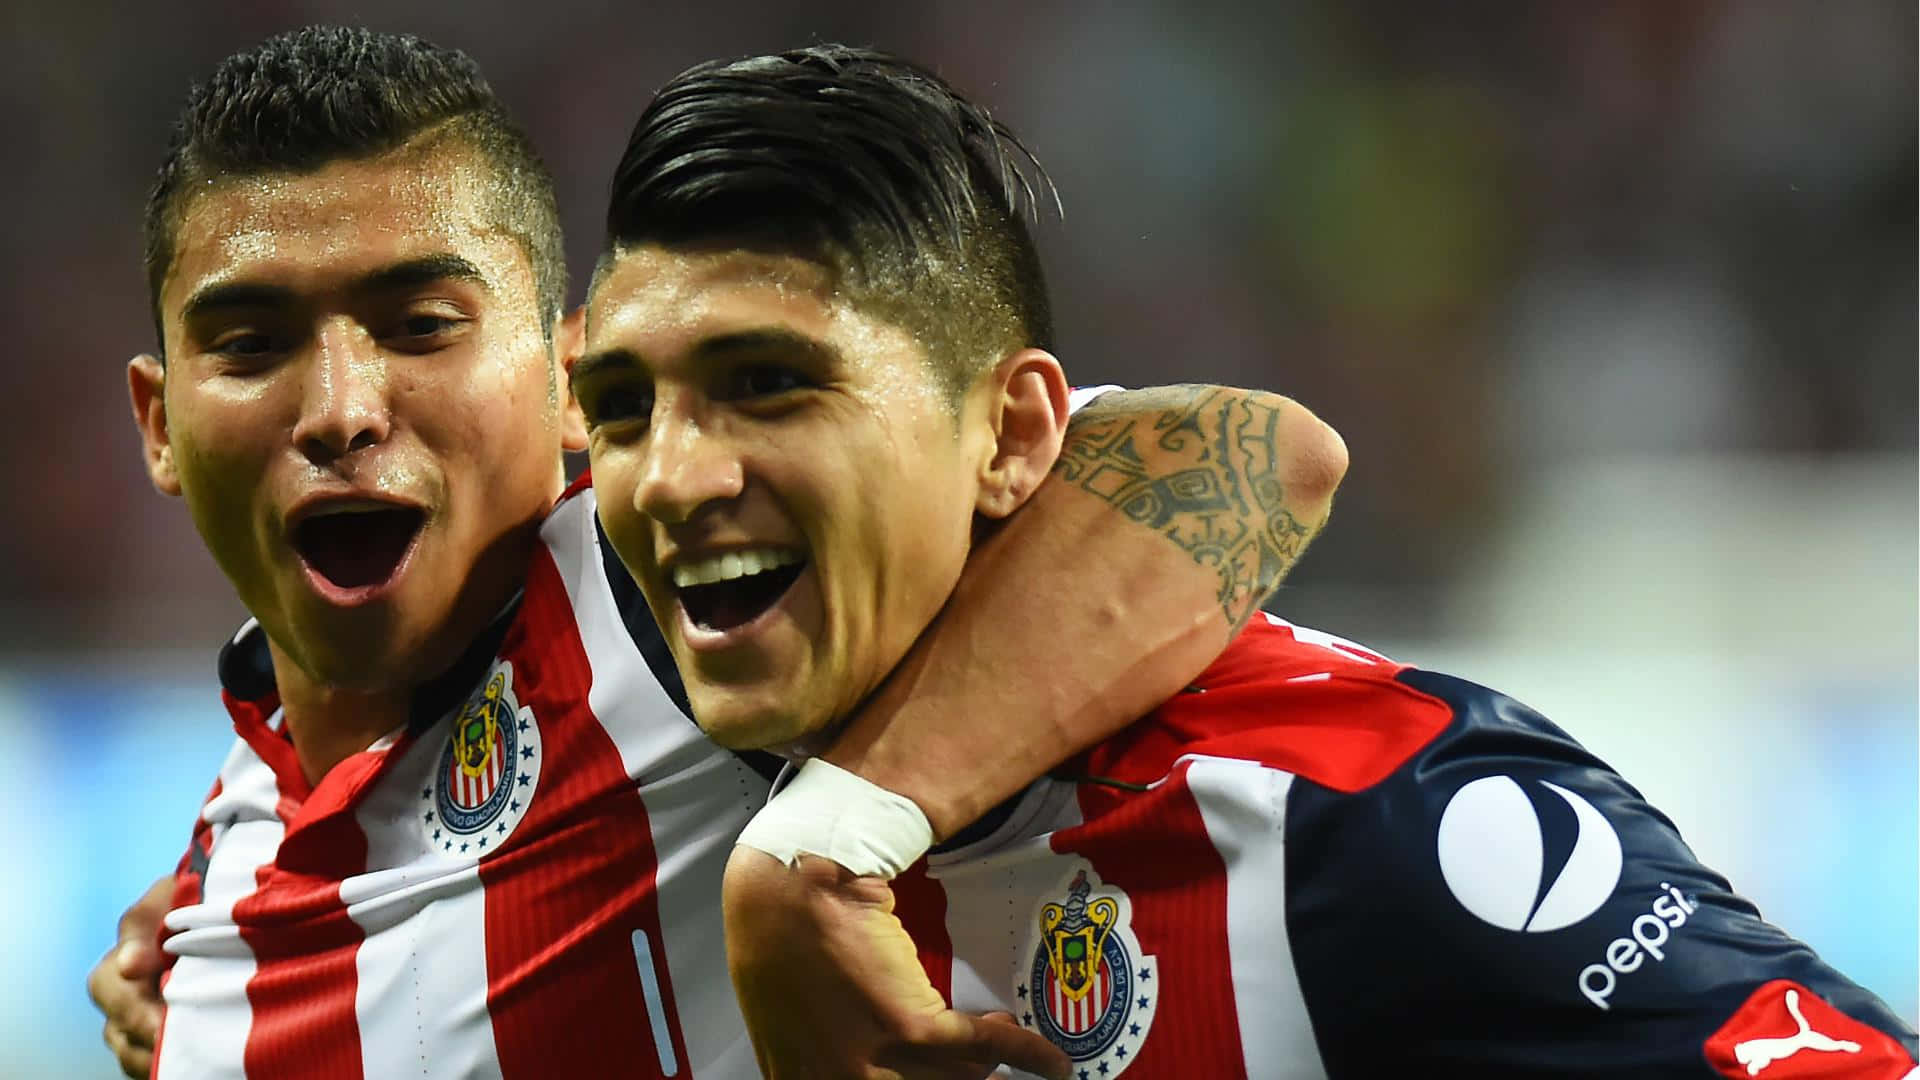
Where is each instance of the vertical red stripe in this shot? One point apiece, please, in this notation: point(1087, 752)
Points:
point(302, 991)
point(920, 903)
point(565, 895)
point(304, 945)
point(1183, 921)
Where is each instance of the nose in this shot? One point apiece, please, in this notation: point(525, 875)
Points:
point(686, 464)
point(344, 404)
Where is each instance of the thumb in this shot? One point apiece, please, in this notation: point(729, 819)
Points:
point(137, 959)
point(996, 1037)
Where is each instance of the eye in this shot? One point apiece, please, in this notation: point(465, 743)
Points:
point(244, 345)
point(425, 331)
point(617, 404)
point(423, 325)
point(764, 380)
point(245, 352)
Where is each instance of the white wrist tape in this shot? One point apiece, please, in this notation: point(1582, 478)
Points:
point(827, 811)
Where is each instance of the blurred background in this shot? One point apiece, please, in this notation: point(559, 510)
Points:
point(1614, 304)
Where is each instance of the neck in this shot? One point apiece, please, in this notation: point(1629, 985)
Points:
point(330, 723)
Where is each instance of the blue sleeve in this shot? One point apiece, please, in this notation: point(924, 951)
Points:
point(1505, 905)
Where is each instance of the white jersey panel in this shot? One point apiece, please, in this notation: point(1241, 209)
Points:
point(422, 970)
point(698, 797)
point(1244, 805)
point(1081, 396)
point(987, 926)
point(208, 1016)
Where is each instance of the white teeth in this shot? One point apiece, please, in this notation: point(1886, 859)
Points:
point(733, 564)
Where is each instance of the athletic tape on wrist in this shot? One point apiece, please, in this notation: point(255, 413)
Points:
point(827, 811)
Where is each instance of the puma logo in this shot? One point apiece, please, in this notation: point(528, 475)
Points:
point(1757, 1054)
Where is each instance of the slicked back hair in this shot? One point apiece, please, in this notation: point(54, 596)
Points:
point(309, 98)
point(914, 196)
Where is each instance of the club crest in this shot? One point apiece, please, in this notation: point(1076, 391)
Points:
point(487, 771)
point(1089, 989)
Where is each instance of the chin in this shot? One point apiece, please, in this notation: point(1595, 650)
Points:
point(777, 731)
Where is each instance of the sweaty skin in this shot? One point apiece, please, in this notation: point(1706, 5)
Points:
point(245, 445)
point(815, 443)
point(365, 334)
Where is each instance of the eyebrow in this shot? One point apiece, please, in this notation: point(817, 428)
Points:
point(593, 364)
point(237, 294)
point(425, 270)
point(717, 347)
point(764, 339)
point(405, 274)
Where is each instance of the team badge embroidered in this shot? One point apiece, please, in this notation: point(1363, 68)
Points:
point(1090, 989)
point(487, 772)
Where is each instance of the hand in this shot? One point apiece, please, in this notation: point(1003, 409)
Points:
point(125, 984)
point(831, 985)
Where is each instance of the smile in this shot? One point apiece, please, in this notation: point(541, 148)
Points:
point(722, 592)
point(353, 549)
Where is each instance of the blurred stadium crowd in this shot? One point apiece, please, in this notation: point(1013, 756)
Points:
point(1480, 238)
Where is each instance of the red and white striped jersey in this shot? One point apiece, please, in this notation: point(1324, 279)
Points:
point(522, 884)
point(1319, 863)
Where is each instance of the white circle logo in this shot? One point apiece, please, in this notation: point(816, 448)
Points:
point(1493, 856)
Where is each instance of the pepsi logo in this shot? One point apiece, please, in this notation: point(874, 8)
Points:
point(1493, 855)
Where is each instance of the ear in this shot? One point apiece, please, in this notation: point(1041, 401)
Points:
point(569, 344)
point(1028, 415)
point(147, 386)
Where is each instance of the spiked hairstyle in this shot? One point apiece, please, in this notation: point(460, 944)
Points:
point(860, 161)
point(303, 100)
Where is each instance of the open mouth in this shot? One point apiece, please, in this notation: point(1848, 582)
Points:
point(355, 549)
point(726, 591)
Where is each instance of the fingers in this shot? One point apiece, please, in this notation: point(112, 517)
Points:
point(998, 1039)
point(125, 984)
point(138, 955)
point(135, 1060)
point(137, 960)
point(131, 1006)
point(972, 1045)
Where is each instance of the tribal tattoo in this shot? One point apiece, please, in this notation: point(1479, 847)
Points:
point(1221, 498)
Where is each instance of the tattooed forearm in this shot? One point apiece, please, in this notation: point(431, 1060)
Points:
point(1201, 465)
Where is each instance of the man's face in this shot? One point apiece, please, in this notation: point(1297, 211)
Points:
point(359, 407)
point(781, 473)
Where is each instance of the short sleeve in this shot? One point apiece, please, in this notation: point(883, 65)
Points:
point(1505, 905)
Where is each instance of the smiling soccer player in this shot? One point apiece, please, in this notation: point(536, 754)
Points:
point(1317, 862)
point(466, 822)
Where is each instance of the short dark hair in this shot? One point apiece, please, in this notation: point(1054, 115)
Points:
point(860, 161)
point(305, 99)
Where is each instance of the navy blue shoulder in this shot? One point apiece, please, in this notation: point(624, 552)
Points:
point(1506, 903)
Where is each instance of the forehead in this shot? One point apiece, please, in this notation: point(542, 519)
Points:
point(666, 296)
point(347, 218)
